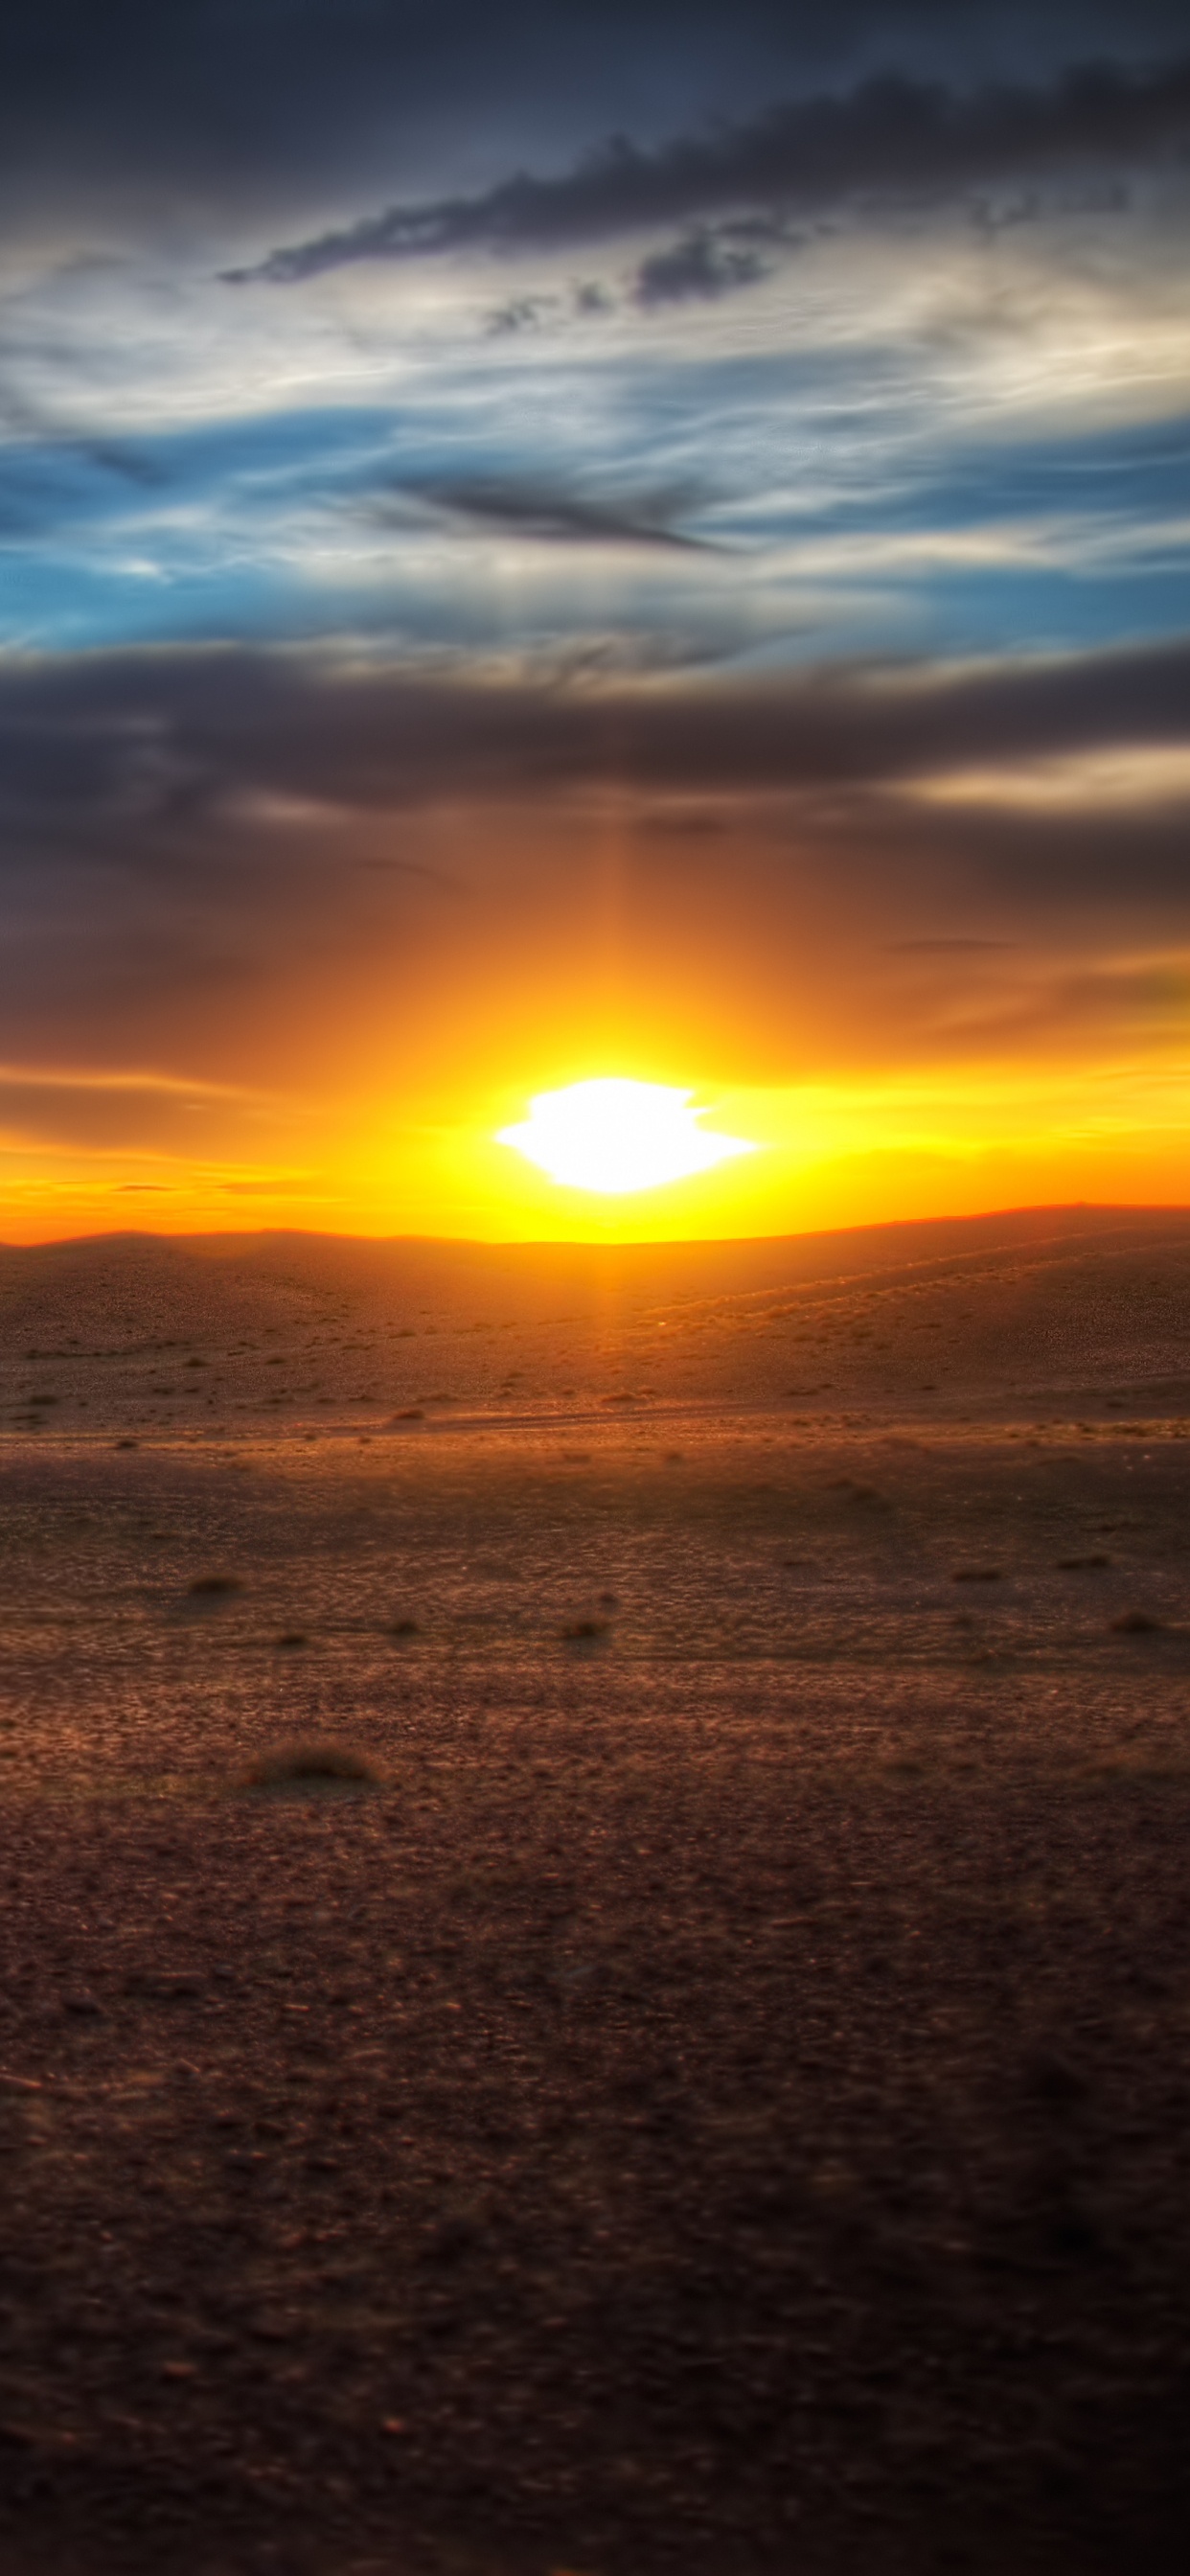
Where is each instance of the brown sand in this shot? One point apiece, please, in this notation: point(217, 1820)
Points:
point(704, 2084)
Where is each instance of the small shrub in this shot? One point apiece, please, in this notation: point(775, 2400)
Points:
point(310, 1765)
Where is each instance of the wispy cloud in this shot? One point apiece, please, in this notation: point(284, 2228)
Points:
point(40, 1077)
point(529, 508)
point(1127, 777)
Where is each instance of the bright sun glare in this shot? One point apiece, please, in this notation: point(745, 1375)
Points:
point(615, 1136)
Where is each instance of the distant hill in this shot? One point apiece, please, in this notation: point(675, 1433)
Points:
point(147, 1334)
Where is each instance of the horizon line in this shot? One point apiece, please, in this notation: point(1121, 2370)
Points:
point(1123, 1208)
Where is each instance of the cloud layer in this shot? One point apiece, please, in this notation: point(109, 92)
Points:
point(145, 738)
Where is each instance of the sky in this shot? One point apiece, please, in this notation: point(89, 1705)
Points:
point(544, 546)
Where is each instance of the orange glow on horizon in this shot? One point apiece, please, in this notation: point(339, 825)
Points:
point(929, 1143)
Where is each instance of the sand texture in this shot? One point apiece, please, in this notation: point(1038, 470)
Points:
point(596, 1906)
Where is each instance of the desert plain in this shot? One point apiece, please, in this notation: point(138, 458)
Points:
point(596, 1920)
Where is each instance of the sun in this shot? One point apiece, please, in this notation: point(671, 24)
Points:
point(615, 1136)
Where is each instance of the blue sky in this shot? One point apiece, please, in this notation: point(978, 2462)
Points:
point(761, 505)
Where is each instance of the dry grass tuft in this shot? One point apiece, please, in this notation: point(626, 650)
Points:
point(312, 1765)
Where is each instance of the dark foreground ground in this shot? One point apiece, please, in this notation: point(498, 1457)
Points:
point(716, 2095)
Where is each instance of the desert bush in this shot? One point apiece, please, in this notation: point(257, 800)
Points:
point(311, 1764)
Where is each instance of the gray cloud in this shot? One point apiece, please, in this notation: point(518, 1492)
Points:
point(891, 137)
point(701, 266)
point(521, 313)
point(131, 742)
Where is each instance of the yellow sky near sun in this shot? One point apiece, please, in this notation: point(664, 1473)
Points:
point(828, 1155)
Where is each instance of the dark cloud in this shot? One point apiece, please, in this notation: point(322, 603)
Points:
point(141, 740)
point(893, 137)
point(701, 266)
point(521, 313)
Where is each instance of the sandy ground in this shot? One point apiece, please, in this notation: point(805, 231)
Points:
point(714, 2094)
